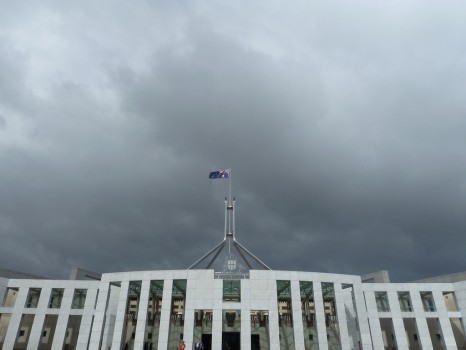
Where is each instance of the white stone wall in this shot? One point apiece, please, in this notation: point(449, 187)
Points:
point(5, 320)
point(460, 296)
point(358, 320)
point(418, 313)
point(42, 309)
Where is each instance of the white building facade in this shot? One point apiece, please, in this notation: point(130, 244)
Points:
point(262, 310)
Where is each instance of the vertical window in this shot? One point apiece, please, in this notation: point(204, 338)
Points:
point(381, 299)
point(260, 329)
point(411, 331)
point(232, 290)
point(202, 331)
point(131, 315)
point(388, 333)
point(4, 323)
point(458, 332)
point(56, 297)
point(428, 301)
point(10, 297)
point(72, 332)
point(435, 333)
point(176, 328)
point(308, 315)
point(405, 301)
point(285, 314)
point(25, 326)
point(79, 298)
point(154, 310)
point(33, 297)
point(450, 301)
point(48, 331)
point(231, 329)
point(331, 319)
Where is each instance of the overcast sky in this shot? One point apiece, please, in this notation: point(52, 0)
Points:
point(344, 123)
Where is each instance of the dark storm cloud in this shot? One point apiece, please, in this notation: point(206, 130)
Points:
point(343, 125)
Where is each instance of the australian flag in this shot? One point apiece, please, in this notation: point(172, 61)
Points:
point(221, 174)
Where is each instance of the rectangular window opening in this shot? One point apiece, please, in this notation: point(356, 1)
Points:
point(232, 291)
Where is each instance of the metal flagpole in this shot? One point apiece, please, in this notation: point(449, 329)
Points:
point(230, 268)
point(230, 228)
point(226, 218)
point(229, 193)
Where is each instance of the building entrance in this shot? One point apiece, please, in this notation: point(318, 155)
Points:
point(207, 341)
point(231, 341)
point(255, 342)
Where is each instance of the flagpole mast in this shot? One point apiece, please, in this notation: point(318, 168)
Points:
point(230, 213)
point(229, 193)
point(230, 268)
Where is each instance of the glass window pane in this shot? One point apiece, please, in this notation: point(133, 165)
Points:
point(56, 297)
point(405, 301)
point(285, 314)
point(131, 316)
point(175, 334)
point(33, 297)
point(154, 310)
point(79, 298)
point(428, 301)
point(308, 315)
point(381, 299)
point(232, 290)
point(260, 330)
point(202, 333)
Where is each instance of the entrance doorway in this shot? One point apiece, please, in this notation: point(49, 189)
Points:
point(231, 341)
point(207, 341)
point(255, 342)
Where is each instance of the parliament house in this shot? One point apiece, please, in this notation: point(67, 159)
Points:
point(230, 299)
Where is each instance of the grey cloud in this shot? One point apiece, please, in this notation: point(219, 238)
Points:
point(345, 135)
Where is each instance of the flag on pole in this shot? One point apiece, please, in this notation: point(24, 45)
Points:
point(220, 174)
